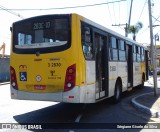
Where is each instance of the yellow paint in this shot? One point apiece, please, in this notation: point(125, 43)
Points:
point(142, 68)
point(41, 65)
point(90, 83)
point(116, 78)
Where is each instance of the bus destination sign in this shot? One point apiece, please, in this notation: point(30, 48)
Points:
point(41, 25)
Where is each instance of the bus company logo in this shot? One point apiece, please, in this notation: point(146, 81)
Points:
point(22, 67)
point(52, 73)
point(38, 78)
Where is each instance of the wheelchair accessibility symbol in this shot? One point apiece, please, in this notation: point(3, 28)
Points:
point(23, 76)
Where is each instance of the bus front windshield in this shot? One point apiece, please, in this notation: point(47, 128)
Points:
point(41, 33)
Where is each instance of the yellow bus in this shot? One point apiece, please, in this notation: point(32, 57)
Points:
point(68, 58)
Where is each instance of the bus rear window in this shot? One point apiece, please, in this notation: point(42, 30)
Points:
point(45, 34)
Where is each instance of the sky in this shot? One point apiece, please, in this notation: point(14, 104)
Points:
point(105, 12)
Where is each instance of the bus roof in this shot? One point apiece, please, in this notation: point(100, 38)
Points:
point(105, 29)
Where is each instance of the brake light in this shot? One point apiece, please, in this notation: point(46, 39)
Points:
point(70, 78)
point(13, 78)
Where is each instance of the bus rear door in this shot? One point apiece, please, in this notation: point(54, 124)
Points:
point(101, 58)
point(129, 65)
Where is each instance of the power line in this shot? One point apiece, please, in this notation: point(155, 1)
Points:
point(14, 13)
point(142, 10)
point(114, 13)
point(66, 7)
point(140, 17)
point(109, 13)
point(156, 19)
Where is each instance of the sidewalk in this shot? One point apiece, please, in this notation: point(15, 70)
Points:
point(147, 102)
point(4, 83)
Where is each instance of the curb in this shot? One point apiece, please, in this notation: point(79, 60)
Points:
point(150, 81)
point(152, 112)
point(4, 83)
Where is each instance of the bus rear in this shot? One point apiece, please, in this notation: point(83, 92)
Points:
point(43, 60)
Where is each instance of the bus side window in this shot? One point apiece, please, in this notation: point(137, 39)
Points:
point(86, 43)
point(122, 52)
point(134, 53)
point(142, 54)
point(114, 48)
point(138, 54)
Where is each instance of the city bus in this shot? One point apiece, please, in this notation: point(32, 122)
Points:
point(69, 58)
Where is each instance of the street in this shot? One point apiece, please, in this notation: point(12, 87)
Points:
point(20, 111)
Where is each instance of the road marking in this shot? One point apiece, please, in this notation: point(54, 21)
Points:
point(80, 115)
point(78, 118)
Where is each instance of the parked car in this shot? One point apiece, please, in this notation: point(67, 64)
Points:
point(158, 71)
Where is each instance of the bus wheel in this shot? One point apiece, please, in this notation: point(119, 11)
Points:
point(117, 92)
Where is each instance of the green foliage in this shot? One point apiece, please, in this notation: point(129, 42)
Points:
point(134, 29)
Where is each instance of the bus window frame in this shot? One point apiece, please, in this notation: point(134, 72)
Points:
point(113, 48)
point(86, 31)
point(134, 53)
point(142, 54)
point(124, 59)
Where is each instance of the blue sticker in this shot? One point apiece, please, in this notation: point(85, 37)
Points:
point(23, 76)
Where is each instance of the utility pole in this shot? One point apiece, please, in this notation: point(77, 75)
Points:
point(126, 28)
point(129, 20)
point(153, 57)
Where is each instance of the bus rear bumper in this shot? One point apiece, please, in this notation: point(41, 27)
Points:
point(82, 94)
point(22, 95)
point(76, 95)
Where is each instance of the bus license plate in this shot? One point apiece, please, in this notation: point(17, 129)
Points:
point(39, 87)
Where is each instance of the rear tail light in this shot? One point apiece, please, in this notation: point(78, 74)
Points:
point(13, 78)
point(70, 78)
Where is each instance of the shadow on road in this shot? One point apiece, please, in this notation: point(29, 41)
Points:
point(59, 113)
point(104, 112)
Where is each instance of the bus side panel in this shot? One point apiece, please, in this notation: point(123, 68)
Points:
point(143, 69)
point(113, 72)
point(88, 91)
point(136, 74)
point(146, 61)
point(122, 73)
point(90, 81)
point(72, 96)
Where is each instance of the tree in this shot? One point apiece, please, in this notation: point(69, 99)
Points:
point(134, 29)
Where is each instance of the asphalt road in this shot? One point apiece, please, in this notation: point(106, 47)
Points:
point(102, 113)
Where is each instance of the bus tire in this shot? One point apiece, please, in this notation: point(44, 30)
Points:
point(117, 92)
